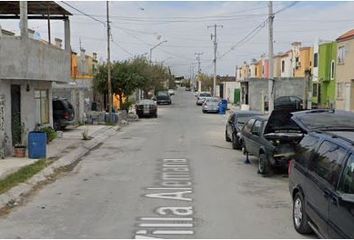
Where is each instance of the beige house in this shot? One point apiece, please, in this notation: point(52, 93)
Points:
point(277, 66)
point(345, 71)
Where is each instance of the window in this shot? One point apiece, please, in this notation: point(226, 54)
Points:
point(315, 60)
point(341, 55)
point(315, 90)
point(255, 71)
point(42, 106)
point(332, 69)
point(282, 66)
point(346, 184)
point(249, 125)
point(305, 148)
point(256, 127)
point(327, 164)
point(340, 90)
point(297, 63)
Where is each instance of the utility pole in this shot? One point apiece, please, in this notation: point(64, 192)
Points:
point(110, 104)
point(270, 52)
point(197, 56)
point(214, 36)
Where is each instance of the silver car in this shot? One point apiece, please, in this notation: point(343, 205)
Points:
point(211, 104)
point(201, 97)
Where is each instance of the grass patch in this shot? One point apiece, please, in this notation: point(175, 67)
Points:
point(23, 175)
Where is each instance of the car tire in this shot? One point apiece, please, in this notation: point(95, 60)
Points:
point(263, 165)
point(56, 125)
point(300, 219)
point(227, 137)
point(236, 142)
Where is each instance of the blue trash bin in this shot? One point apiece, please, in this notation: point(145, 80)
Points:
point(37, 145)
point(223, 106)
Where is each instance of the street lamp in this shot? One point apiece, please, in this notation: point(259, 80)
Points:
point(156, 47)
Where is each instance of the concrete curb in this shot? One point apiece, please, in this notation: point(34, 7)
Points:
point(15, 194)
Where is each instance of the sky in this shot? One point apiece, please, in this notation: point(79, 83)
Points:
point(138, 26)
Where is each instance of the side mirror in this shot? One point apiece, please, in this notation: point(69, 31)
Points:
point(347, 199)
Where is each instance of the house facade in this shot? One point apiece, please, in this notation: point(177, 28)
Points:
point(79, 90)
point(285, 65)
point(301, 59)
point(28, 68)
point(327, 53)
point(345, 71)
point(277, 66)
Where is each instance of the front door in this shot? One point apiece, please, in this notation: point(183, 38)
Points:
point(323, 175)
point(16, 126)
point(341, 206)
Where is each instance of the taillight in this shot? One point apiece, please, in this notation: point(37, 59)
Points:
point(66, 115)
point(290, 165)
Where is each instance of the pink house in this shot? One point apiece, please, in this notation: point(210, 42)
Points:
point(265, 68)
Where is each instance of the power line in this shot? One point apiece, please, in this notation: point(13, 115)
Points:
point(85, 14)
point(286, 7)
point(252, 33)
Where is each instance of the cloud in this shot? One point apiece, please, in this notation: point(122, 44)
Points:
point(137, 25)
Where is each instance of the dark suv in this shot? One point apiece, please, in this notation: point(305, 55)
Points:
point(63, 113)
point(321, 176)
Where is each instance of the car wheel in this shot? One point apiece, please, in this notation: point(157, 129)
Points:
point(227, 137)
point(235, 142)
point(56, 125)
point(263, 165)
point(300, 218)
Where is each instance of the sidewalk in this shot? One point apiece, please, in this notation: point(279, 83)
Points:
point(71, 139)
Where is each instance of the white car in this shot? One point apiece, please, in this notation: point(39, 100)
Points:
point(211, 104)
point(171, 92)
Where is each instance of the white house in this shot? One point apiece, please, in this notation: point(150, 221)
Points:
point(28, 67)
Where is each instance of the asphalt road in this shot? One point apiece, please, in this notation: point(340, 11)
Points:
point(170, 177)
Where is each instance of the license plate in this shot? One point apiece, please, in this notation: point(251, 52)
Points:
point(146, 109)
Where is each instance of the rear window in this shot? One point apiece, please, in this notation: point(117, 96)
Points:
point(57, 105)
point(212, 100)
point(242, 119)
point(205, 95)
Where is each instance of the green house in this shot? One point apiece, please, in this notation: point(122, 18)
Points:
point(326, 73)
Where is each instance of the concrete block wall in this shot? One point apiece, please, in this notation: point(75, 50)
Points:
point(282, 87)
point(29, 59)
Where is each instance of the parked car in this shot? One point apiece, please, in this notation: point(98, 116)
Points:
point(201, 97)
point(163, 98)
point(210, 104)
point(234, 125)
point(321, 176)
point(146, 107)
point(288, 102)
point(187, 89)
point(171, 92)
point(63, 113)
point(271, 140)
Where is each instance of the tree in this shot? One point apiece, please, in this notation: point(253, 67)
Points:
point(207, 82)
point(130, 75)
